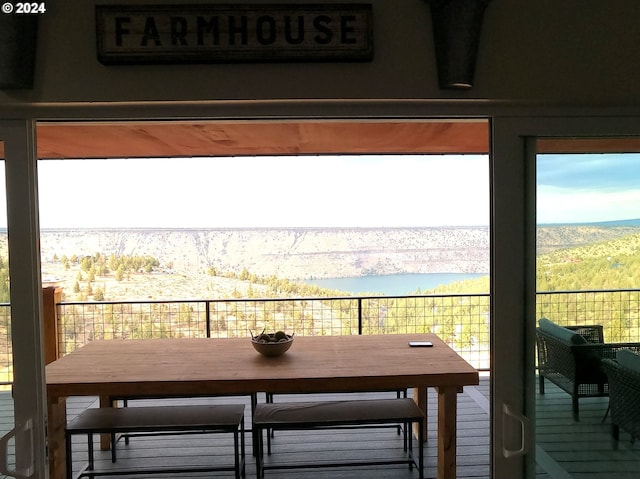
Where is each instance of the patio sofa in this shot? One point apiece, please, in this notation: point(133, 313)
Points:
point(571, 358)
point(624, 393)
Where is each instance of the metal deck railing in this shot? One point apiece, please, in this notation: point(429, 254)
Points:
point(461, 320)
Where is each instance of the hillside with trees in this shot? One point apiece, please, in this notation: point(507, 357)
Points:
point(561, 237)
point(609, 264)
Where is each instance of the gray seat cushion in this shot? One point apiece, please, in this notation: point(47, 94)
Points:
point(326, 413)
point(628, 359)
point(564, 334)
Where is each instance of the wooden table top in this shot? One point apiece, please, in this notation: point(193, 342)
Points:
point(221, 366)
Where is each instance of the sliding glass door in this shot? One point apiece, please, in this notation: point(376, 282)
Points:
point(566, 261)
point(588, 206)
point(23, 445)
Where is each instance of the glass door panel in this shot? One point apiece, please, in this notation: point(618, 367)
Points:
point(587, 290)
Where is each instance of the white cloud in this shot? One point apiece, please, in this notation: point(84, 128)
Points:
point(560, 205)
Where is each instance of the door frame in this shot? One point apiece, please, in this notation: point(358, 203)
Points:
point(29, 391)
point(512, 197)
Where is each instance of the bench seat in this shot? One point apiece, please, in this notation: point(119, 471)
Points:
point(222, 418)
point(399, 393)
point(124, 401)
point(329, 414)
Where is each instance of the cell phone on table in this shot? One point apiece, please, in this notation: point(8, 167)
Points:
point(420, 344)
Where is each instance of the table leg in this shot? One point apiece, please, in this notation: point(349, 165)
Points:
point(447, 405)
point(105, 439)
point(420, 397)
point(57, 421)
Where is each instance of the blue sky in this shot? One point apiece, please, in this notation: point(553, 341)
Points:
point(603, 172)
point(323, 191)
point(588, 188)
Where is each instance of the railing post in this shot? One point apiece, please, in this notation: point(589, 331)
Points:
point(51, 296)
point(208, 318)
point(360, 316)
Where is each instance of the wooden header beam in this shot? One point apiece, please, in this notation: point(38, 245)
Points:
point(191, 139)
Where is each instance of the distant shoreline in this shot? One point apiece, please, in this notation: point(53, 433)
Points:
point(393, 284)
point(269, 228)
point(630, 222)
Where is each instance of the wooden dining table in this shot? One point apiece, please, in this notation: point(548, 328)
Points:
point(185, 367)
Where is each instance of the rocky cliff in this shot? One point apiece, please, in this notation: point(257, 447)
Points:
point(294, 253)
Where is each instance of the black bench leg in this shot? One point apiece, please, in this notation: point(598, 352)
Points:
point(421, 449)
point(243, 456)
point(68, 458)
point(399, 396)
point(615, 432)
point(410, 447)
point(259, 452)
point(407, 432)
point(113, 447)
point(269, 432)
point(575, 407)
point(236, 455)
point(254, 402)
point(239, 451)
point(606, 413)
point(90, 448)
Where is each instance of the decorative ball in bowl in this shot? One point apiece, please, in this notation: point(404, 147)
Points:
point(272, 345)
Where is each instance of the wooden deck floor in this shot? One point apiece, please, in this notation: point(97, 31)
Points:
point(565, 449)
point(308, 446)
point(584, 449)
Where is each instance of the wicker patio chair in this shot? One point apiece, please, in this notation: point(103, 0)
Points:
point(624, 396)
point(571, 359)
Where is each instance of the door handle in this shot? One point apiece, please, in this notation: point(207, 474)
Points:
point(507, 412)
point(22, 473)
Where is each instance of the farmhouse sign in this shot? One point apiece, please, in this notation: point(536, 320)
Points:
point(234, 33)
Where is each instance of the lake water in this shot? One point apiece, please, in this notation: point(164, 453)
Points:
point(393, 284)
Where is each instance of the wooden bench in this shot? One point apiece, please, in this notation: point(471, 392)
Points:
point(330, 414)
point(222, 418)
point(123, 401)
point(399, 393)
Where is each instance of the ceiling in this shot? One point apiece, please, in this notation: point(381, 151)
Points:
point(175, 139)
point(229, 138)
